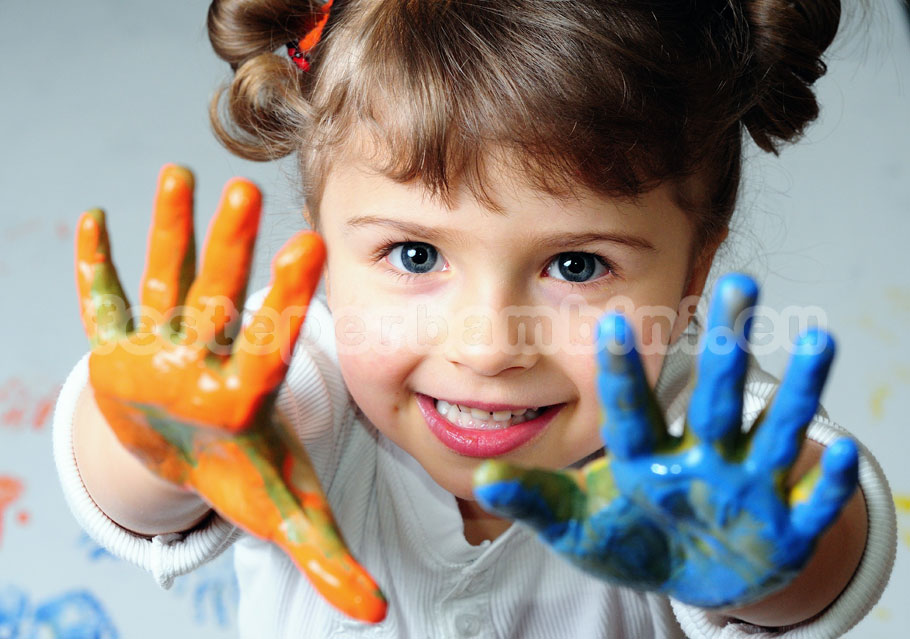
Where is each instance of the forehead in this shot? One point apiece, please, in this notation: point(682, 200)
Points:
point(355, 190)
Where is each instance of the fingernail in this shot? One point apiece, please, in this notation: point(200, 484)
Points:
point(814, 341)
point(614, 335)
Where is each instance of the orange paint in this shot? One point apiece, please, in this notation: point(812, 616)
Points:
point(23, 517)
point(21, 408)
point(43, 409)
point(12, 417)
point(200, 417)
point(10, 490)
point(12, 388)
point(170, 240)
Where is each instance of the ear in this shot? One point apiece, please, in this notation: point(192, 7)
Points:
point(695, 284)
point(308, 216)
point(328, 289)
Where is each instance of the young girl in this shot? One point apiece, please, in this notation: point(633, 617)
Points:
point(508, 193)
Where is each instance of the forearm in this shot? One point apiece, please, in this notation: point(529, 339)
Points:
point(124, 489)
point(829, 570)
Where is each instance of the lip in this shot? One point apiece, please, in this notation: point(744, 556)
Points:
point(482, 443)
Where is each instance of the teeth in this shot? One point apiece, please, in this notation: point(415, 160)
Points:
point(476, 413)
point(483, 420)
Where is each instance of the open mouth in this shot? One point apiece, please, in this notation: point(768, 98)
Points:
point(478, 433)
point(475, 418)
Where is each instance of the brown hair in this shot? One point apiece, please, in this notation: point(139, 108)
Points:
point(612, 95)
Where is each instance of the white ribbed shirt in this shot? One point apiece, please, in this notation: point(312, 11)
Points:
point(407, 532)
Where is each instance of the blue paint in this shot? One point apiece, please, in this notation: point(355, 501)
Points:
point(213, 590)
point(704, 518)
point(14, 610)
point(76, 614)
point(94, 551)
point(637, 428)
point(212, 587)
point(716, 407)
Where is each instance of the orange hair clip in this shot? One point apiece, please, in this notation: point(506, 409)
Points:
point(300, 51)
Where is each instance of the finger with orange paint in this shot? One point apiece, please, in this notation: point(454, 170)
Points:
point(204, 420)
point(171, 250)
point(102, 303)
point(220, 287)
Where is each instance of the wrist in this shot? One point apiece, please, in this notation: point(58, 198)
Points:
point(120, 485)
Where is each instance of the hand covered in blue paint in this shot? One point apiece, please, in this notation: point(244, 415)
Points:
point(706, 517)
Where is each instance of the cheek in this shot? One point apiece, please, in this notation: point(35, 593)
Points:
point(377, 378)
point(652, 363)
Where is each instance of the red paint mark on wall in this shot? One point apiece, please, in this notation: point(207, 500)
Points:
point(10, 490)
point(21, 406)
point(63, 231)
point(21, 229)
point(43, 408)
point(23, 517)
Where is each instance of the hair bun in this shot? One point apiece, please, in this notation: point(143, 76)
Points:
point(788, 39)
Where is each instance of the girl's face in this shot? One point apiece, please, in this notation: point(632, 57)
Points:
point(476, 308)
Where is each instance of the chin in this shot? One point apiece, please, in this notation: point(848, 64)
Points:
point(461, 487)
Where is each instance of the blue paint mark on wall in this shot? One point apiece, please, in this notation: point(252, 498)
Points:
point(214, 591)
point(212, 587)
point(13, 609)
point(93, 550)
point(76, 614)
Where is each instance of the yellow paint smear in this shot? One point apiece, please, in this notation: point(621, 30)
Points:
point(900, 297)
point(882, 613)
point(902, 502)
point(875, 329)
point(877, 400)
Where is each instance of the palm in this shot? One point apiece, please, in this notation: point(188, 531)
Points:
point(191, 395)
point(706, 517)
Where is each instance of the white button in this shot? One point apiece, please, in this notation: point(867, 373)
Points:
point(467, 625)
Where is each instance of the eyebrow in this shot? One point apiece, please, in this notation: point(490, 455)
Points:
point(563, 240)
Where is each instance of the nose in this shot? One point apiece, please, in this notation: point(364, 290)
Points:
point(497, 332)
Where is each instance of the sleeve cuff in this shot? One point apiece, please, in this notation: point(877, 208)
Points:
point(164, 556)
point(860, 595)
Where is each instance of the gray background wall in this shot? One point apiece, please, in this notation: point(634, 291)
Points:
point(97, 95)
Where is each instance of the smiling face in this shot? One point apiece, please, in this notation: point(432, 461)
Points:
point(428, 303)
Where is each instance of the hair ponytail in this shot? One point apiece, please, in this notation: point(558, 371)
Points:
point(259, 113)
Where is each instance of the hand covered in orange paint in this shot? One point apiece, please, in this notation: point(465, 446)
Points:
point(191, 393)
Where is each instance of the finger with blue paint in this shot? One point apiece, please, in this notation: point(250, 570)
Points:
point(782, 430)
point(633, 424)
point(779, 435)
point(833, 487)
point(715, 410)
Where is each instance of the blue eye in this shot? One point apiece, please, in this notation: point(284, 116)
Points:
point(415, 257)
point(577, 267)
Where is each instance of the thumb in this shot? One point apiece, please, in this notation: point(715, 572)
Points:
point(545, 500)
